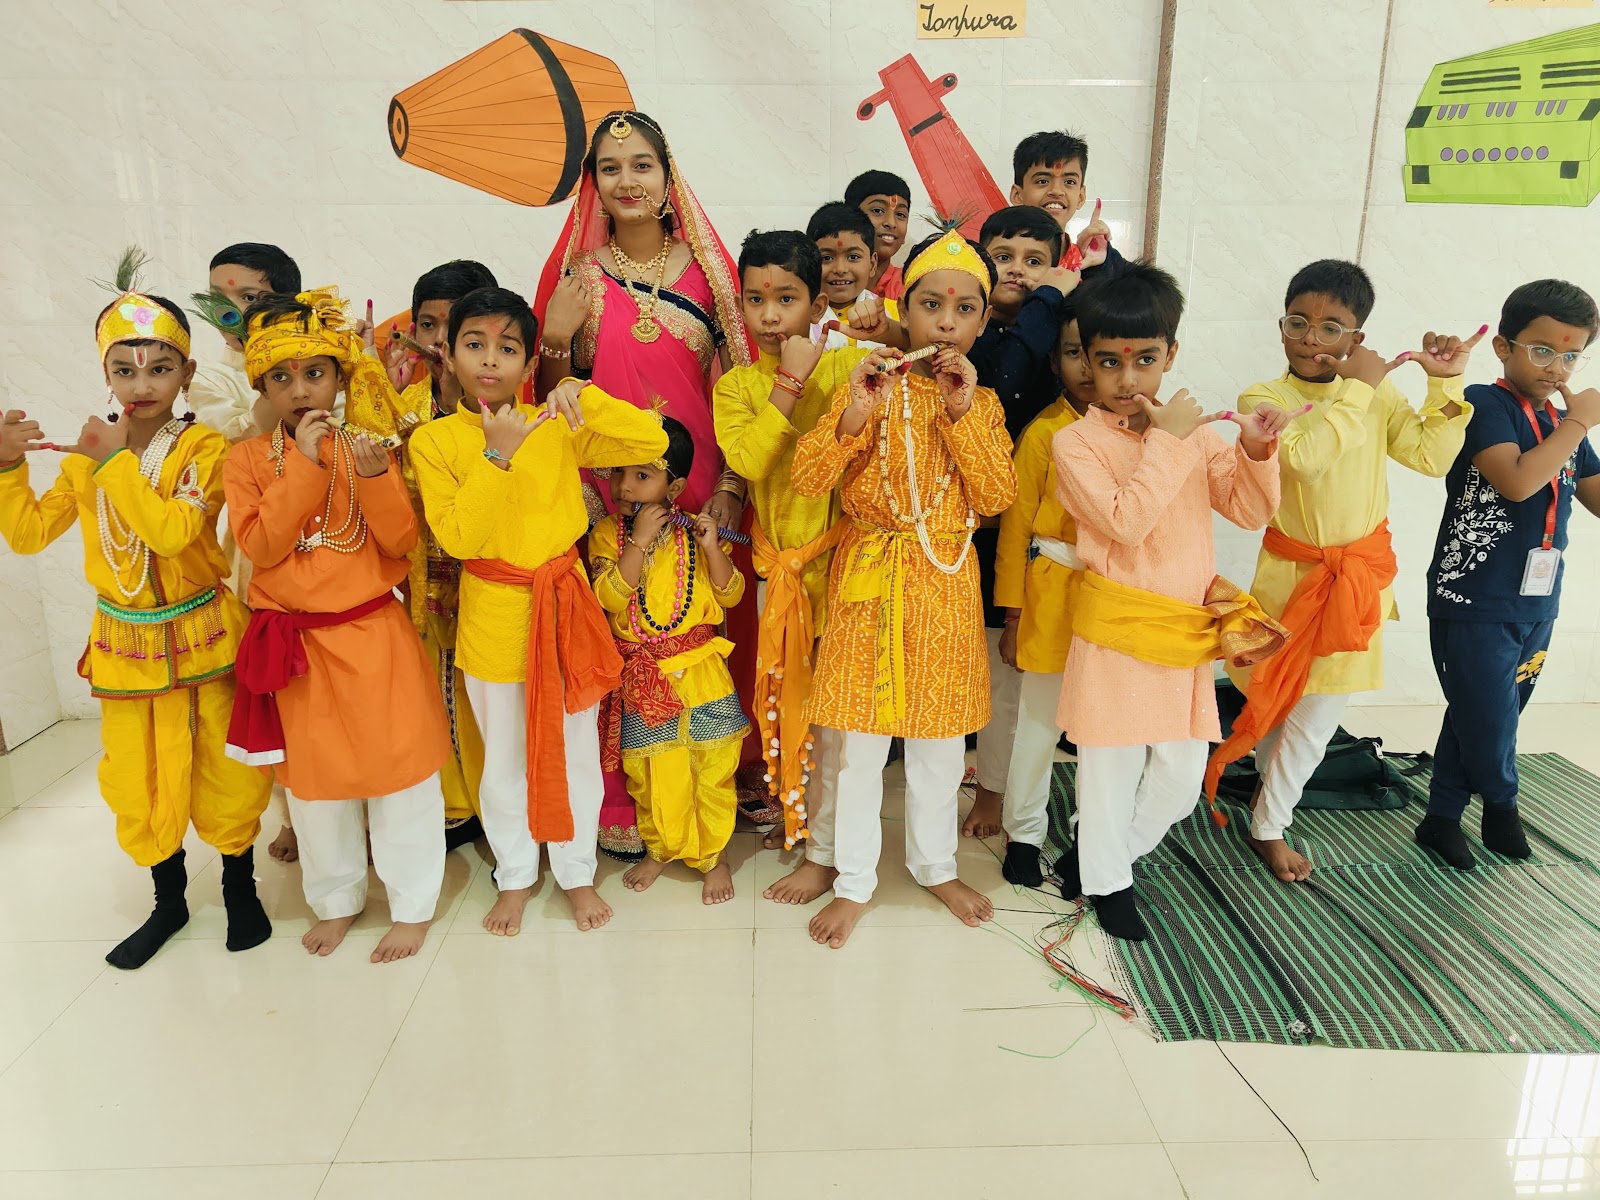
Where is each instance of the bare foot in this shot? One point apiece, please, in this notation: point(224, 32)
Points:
point(286, 846)
point(1281, 859)
point(642, 874)
point(402, 941)
point(772, 839)
point(718, 885)
point(970, 907)
point(588, 909)
point(323, 938)
point(505, 918)
point(984, 819)
point(803, 884)
point(833, 925)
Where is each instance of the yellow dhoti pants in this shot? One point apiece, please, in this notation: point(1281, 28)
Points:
point(686, 801)
point(165, 766)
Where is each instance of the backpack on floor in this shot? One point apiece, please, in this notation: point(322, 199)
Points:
point(1354, 774)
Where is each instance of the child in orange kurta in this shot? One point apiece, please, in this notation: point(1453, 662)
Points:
point(1141, 479)
point(325, 518)
point(917, 454)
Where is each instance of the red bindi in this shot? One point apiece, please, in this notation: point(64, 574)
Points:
point(1127, 349)
point(839, 245)
point(1567, 341)
point(230, 283)
point(950, 291)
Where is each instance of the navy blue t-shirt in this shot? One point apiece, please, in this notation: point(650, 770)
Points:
point(1484, 539)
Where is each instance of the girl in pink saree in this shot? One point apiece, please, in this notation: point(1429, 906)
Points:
point(640, 296)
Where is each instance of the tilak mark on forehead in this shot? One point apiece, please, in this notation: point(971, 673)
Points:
point(1127, 349)
point(140, 358)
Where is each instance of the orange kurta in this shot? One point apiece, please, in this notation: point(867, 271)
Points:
point(1143, 505)
point(366, 719)
point(945, 656)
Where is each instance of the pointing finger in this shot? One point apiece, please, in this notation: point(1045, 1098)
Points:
point(1565, 394)
point(1475, 338)
point(1407, 356)
point(1096, 215)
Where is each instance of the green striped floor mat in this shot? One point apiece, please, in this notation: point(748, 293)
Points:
point(1385, 946)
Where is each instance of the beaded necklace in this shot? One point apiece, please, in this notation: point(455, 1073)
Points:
point(119, 540)
point(350, 536)
point(683, 597)
point(645, 329)
point(919, 515)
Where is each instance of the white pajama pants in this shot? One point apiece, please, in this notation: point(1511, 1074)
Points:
point(407, 851)
point(822, 794)
point(995, 738)
point(934, 768)
point(1128, 797)
point(1287, 756)
point(1026, 815)
point(502, 716)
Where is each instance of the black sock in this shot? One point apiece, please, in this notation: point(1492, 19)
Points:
point(247, 920)
point(1502, 831)
point(463, 834)
point(1021, 866)
point(1444, 836)
point(1066, 746)
point(1119, 915)
point(170, 915)
point(1067, 869)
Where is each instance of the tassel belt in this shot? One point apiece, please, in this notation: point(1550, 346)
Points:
point(156, 633)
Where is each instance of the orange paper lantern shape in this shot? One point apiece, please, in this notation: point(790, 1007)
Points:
point(511, 119)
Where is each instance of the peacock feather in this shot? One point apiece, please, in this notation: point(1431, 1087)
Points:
point(216, 310)
point(128, 267)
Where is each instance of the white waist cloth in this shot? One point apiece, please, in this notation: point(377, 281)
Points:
point(1058, 551)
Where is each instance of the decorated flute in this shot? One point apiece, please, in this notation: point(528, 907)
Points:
point(684, 521)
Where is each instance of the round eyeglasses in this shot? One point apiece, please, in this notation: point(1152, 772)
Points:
point(1542, 356)
point(1326, 333)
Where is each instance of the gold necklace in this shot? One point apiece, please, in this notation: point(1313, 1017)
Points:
point(350, 536)
point(645, 329)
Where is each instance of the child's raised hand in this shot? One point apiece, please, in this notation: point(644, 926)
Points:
point(504, 432)
point(705, 532)
point(397, 360)
point(1364, 364)
point(1583, 407)
point(308, 435)
point(799, 355)
point(956, 377)
point(1064, 279)
point(562, 401)
point(18, 435)
point(566, 313)
point(1179, 416)
point(1445, 357)
point(365, 330)
point(371, 459)
point(1095, 240)
point(648, 523)
point(866, 320)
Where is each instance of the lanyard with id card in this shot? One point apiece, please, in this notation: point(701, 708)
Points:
point(1544, 561)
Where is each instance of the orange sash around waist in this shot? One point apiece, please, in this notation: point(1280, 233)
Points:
point(572, 664)
point(1336, 608)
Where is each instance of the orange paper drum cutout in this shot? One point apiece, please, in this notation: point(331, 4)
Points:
point(511, 119)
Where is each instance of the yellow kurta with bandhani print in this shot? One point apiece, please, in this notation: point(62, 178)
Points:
point(900, 630)
point(160, 660)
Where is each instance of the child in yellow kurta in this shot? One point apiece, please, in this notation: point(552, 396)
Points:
point(674, 724)
point(920, 453)
point(503, 495)
point(1037, 571)
point(166, 629)
point(1334, 462)
point(761, 412)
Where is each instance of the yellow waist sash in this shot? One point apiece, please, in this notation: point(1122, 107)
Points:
point(1157, 629)
point(876, 570)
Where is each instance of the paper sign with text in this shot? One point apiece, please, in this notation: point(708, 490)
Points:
point(971, 18)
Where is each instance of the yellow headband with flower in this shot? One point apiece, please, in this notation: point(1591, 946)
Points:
point(135, 317)
point(952, 252)
point(371, 403)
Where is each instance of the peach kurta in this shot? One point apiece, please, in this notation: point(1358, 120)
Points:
point(366, 719)
point(1143, 505)
point(945, 657)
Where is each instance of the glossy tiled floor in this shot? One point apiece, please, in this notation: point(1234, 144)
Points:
point(683, 1051)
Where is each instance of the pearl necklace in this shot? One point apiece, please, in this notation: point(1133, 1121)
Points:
point(119, 540)
point(350, 536)
point(919, 514)
point(683, 595)
point(645, 329)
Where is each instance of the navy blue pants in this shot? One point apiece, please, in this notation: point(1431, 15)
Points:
point(1487, 671)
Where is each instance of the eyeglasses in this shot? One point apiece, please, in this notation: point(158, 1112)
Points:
point(1327, 332)
point(1543, 356)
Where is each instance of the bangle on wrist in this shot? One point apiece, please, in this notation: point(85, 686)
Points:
point(792, 378)
point(1578, 423)
point(548, 351)
point(1013, 620)
point(493, 455)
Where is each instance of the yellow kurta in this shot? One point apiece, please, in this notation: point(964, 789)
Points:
point(1040, 588)
point(525, 516)
point(944, 657)
point(682, 783)
point(166, 685)
point(1334, 467)
point(759, 443)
